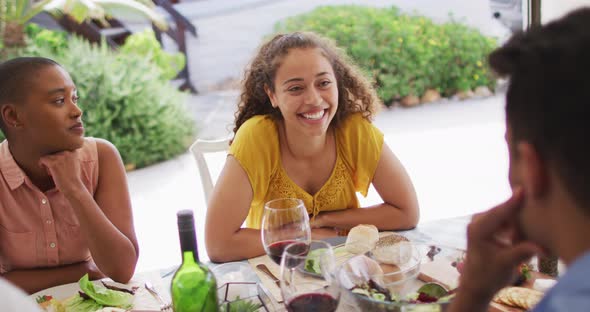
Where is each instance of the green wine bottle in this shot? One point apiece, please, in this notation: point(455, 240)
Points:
point(193, 286)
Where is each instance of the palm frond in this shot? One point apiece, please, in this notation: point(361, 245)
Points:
point(20, 6)
point(112, 6)
point(34, 10)
point(81, 10)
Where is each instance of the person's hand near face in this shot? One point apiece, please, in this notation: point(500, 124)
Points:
point(64, 168)
point(494, 251)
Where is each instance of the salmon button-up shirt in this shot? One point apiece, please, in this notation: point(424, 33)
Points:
point(40, 229)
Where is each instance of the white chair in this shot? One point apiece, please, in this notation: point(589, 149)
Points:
point(198, 149)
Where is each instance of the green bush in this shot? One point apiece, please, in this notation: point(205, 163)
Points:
point(145, 44)
point(126, 99)
point(403, 54)
point(55, 41)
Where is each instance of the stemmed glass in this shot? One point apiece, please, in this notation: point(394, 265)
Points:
point(302, 287)
point(284, 221)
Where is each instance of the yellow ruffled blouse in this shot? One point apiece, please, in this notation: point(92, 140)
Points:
point(256, 148)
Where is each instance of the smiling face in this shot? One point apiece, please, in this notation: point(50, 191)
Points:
point(305, 91)
point(49, 118)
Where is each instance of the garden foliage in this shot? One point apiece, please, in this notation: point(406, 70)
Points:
point(126, 97)
point(403, 54)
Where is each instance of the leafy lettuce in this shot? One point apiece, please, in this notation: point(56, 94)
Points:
point(79, 304)
point(100, 297)
point(104, 296)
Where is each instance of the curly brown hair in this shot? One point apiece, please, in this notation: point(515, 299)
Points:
point(355, 93)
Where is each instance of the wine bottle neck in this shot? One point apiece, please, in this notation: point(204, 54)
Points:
point(189, 257)
point(188, 244)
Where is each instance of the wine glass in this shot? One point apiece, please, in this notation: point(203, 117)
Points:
point(284, 221)
point(302, 285)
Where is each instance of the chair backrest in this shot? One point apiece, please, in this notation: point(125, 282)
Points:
point(198, 149)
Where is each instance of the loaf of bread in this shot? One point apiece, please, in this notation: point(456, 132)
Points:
point(362, 238)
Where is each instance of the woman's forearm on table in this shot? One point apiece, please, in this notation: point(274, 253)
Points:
point(34, 280)
point(243, 244)
point(384, 216)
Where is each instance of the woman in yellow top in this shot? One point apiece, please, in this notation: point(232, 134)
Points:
point(303, 130)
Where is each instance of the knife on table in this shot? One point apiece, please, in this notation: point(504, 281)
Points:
point(262, 267)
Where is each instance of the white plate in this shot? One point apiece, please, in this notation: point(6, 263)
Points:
point(233, 272)
point(142, 300)
point(61, 292)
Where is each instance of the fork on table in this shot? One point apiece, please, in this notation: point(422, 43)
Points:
point(164, 306)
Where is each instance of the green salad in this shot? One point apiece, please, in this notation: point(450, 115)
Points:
point(428, 293)
point(91, 298)
point(240, 305)
point(312, 261)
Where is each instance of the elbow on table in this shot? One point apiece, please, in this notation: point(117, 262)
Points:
point(122, 276)
point(221, 258)
point(126, 273)
point(122, 273)
point(408, 222)
point(412, 216)
point(412, 221)
point(219, 255)
point(221, 252)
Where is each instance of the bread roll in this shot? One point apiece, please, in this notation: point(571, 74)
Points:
point(393, 249)
point(362, 238)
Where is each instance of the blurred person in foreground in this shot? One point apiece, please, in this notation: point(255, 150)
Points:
point(547, 106)
point(15, 300)
point(64, 204)
point(303, 130)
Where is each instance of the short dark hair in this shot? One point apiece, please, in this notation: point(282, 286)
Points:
point(15, 79)
point(548, 97)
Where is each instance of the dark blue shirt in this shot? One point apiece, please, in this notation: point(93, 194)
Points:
point(572, 291)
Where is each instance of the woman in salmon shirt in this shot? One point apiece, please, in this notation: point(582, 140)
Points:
point(303, 130)
point(64, 204)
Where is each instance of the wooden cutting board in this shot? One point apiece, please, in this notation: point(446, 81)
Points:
point(441, 271)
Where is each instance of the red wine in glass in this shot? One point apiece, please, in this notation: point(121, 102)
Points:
point(302, 293)
point(313, 302)
point(284, 221)
point(275, 250)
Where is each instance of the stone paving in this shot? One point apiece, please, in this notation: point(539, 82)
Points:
point(453, 150)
